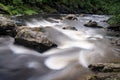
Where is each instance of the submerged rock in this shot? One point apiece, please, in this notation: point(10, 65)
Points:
point(70, 17)
point(93, 24)
point(33, 38)
point(70, 28)
point(7, 26)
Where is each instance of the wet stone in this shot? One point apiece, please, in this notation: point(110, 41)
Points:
point(7, 26)
point(105, 67)
point(70, 17)
point(33, 38)
point(92, 24)
point(105, 71)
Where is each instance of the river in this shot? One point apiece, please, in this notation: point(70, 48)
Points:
point(75, 52)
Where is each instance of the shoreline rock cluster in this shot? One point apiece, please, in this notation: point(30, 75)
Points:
point(32, 38)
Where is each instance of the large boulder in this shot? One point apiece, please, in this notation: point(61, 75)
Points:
point(7, 26)
point(33, 38)
point(93, 24)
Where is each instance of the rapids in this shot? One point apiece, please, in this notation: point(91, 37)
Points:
point(75, 52)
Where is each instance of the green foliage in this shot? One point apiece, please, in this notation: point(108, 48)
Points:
point(111, 7)
point(21, 10)
point(29, 12)
point(4, 9)
point(115, 20)
point(17, 2)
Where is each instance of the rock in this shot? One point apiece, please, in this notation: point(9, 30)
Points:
point(115, 41)
point(33, 38)
point(113, 30)
point(105, 71)
point(70, 17)
point(70, 28)
point(114, 27)
point(93, 24)
point(114, 76)
point(113, 33)
point(7, 26)
point(105, 67)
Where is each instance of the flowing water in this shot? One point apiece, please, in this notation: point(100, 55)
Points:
point(76, 50)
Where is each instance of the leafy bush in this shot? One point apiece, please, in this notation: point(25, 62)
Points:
point(114, 20)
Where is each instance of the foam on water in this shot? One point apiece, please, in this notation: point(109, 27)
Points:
point(43, 23)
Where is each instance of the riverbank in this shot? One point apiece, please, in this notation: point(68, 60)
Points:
point(25, 7)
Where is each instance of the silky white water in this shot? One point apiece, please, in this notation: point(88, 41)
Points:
point(76, 49)
point(88, 42)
